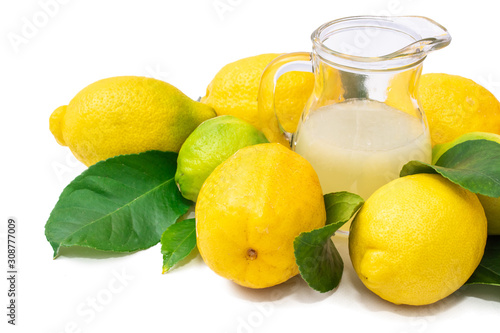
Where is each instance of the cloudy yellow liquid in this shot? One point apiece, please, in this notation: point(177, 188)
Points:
point(360, 145)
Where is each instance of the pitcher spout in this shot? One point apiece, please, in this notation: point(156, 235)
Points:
point(431, 35)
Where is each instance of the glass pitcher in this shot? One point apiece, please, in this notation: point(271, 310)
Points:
point(362, 122)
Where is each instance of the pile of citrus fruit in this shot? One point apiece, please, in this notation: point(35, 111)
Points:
point(415, 241)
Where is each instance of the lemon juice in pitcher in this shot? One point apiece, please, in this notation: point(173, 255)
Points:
point(362, 122)
point(360, 145)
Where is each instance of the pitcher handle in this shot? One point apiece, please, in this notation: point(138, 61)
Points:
point(270, 123)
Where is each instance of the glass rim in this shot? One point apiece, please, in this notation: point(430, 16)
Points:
point(408, 56)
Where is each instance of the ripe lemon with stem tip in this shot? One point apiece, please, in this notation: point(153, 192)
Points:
point(126, 115)
point(251, 208)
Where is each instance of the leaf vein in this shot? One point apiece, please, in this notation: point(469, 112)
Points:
point(178, 246)
point(120, 208)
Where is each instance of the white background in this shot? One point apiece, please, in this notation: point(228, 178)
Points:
point(185, 43)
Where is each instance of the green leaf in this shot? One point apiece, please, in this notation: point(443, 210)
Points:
point(122, 204)
point(473, 164)
point(177, 242)
point(320, 264)
point(488, 271)
point(341, 206)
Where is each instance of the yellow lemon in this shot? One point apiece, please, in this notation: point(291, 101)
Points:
point(234, 91)
point(455, 105)
point(418, 239)
point(126, 115)
point(251, 208)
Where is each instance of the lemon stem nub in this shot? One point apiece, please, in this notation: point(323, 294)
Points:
point(251, 254)
point(56, 122)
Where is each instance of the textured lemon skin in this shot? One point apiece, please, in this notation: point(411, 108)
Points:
point(126, 115)
point(417, 239)
point(455, 105)
point(258, 200)
point(234, 91)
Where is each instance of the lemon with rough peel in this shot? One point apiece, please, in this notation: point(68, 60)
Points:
point(455, 105)
point(234, 91)
point(210, 144)
point(251, 208)
point(126, 115)
point(417, 239)
point(491, 205)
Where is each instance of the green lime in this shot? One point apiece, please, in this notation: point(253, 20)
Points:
point(210, 144)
